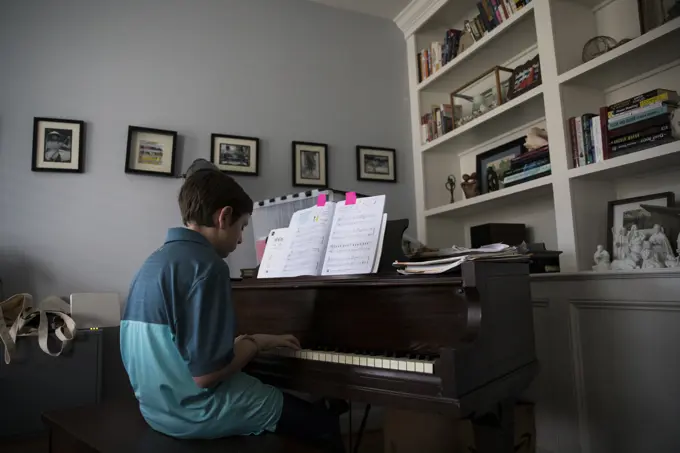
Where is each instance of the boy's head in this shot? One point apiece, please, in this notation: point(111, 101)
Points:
point(213, 204)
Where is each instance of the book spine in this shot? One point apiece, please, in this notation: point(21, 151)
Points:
point(483, 17)
point(638, 135)
point(596, 133)
point(651, 113)
point(527, 166)
point(636, 111)
point(632, 106)
point(587, 139)
point(579, 139)
point(642, 141)
point(527, 174)
point(488, 7)
point(574, 142)
point(641, 99)
point(644, 124)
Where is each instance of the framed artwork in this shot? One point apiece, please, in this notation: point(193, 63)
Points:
point(310, 164)
point(492, 164)
point(376, 164)
point(626, 213)
point(235, 154)
point(654, 13)
point(525, 78)
point(58, 145)
point(151, 151)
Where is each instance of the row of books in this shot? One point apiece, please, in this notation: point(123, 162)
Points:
point(436, 123)
point(628, 126)
point(492, 13)
point(533, 164)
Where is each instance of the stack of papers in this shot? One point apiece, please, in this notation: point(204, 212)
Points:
point(457, 256)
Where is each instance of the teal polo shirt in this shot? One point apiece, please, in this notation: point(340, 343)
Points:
point(179, 323)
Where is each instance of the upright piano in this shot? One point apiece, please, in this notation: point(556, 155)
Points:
point(452, 344)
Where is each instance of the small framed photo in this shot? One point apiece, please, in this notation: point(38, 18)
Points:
point(235, 154)
point(627, 213)
point(492, 164)
point(376, 164)
point(58, 145)
point(310, 164)
point(151, 151)
point(525, 78)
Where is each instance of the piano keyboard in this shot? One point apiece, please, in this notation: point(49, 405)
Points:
point(371, 361)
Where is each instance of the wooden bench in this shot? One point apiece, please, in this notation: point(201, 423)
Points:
point(120, 428)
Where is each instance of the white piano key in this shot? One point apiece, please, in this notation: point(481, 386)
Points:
point(429, 368)
point(394, 364)
point(402, 365)
point(362, 361)
point(315, 356)
point(410, 366)
point(370, 362)
point(355, 360)
point(420, 368)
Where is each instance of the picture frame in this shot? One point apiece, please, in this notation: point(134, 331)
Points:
point(376, 164)
point(235, 154)
point(628, 211)
point(151, 152)
point(525, 78)
point(310, 164)
point(58, 145)
point(654, 13)
point(499, 159)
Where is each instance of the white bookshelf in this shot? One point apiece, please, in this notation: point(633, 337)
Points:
point(567, 210)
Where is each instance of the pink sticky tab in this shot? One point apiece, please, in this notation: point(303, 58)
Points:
point(351, 198)
point(321, 201)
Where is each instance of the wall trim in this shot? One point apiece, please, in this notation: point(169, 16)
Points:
point(608, 275)
point(637, 305)
point(579, 381)
point(415, 14)
point(540, 303)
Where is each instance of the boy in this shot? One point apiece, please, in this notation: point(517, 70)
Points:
point(177, 334)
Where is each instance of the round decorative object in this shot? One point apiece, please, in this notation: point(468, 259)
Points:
point(597, 46)
point(469, 185)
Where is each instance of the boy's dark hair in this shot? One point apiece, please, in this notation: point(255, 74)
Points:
point(206, 191)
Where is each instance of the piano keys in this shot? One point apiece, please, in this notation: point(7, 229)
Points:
point(456, 344)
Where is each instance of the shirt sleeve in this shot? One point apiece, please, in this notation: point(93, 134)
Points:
point(204, 325)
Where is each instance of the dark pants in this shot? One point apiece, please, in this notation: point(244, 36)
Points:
point(310, 423)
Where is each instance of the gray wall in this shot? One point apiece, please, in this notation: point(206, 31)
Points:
point(281, 70)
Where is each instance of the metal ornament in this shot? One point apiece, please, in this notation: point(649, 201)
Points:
point(451, 185)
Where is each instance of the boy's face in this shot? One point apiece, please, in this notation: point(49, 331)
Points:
point(229, 232)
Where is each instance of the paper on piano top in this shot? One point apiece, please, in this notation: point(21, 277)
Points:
point(274, 257)
point(354, 237)
point(378, 254)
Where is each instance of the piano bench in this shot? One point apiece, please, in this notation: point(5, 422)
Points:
point(120, 428)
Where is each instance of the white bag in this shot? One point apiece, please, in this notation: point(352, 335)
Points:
point(18, 319)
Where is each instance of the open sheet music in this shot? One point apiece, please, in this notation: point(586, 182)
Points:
point(334, 239)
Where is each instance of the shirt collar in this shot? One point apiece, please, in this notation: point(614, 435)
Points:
point(185, 234)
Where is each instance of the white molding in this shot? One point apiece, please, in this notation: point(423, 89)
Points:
point(416, 14)
point(540, 303)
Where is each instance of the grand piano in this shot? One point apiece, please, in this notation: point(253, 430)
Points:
point(451, 344)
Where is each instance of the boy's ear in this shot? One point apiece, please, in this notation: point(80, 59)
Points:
point(222, 218)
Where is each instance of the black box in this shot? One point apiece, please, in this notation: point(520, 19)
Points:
point(491, 233)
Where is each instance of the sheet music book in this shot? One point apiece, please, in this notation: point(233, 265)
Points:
point(335, 239)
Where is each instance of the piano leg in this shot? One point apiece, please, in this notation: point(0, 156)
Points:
point(495, 431)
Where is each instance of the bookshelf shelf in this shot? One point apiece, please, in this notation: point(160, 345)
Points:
point(645, 53)
point(443, 79)
point(633, 164)
point(514, 194)
point(535, 94)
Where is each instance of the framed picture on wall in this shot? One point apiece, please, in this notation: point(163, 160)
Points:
point(235, 154)
point(151, 151)
point(376, 164)
point(310, 164)
point(58, 145)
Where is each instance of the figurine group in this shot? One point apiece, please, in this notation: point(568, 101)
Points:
point(634, 250)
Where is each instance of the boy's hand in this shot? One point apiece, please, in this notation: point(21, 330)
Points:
point(266, 342)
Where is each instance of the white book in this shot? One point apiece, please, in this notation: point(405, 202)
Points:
point(335, 239)
point(598, 145)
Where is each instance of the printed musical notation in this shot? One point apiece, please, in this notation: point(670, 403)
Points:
point(274, 258)
point(308, 235)
point(355, 236)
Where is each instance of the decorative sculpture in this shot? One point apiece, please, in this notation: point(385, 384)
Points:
point(451, 185)
point(601, 258)
point(469, 185)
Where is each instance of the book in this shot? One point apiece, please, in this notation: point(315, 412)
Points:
point(644, 124)
point(648, 113)
point(643, 133)
point(588, 148)
point(596, 134)
point(334, 239)
point(639, 111)
point(643, 143)
point(642, 100)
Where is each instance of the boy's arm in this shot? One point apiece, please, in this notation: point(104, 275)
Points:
point(245, 349)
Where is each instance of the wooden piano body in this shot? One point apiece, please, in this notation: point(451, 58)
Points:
point(454, 344)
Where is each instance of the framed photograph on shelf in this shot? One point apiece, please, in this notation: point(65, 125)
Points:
point(626, 213)
point(235, 154)
point(310, 164)
point(654, 13)
point(151, 151)
point(525, 78)
point(492, 164)
point(376, 164)
point(58, 145)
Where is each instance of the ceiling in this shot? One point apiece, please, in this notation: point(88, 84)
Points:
point(387, 9)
